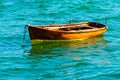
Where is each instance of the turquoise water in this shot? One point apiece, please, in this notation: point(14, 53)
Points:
point(93, 59)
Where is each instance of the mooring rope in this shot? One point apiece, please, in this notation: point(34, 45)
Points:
point(106, 20)
point(25, 30)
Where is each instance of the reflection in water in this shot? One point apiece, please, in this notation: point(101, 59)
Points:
point(40, 47)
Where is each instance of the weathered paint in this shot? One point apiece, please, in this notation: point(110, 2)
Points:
point(51, 33)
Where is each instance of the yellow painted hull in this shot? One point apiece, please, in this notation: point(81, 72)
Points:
point(84, 35)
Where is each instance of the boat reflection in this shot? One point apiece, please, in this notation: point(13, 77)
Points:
point(41, 47)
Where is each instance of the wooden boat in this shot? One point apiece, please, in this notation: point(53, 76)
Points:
point(79, 31)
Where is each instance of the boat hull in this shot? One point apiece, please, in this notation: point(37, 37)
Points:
point(44, 34)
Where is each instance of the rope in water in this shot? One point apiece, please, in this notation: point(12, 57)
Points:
point(25, 30)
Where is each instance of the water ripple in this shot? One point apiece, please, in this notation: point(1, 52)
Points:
point(93, 59)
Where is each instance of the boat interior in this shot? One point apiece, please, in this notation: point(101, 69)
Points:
point(81, 26)
point(96, 24)
point(71, 27)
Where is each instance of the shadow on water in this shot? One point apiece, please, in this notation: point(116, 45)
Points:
point(44, 47)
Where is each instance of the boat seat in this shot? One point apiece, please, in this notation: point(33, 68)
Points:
point(96, 24)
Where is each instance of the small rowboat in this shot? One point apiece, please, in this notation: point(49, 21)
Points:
point(79, 31)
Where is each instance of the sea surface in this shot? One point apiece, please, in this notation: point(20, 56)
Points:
point(92, 59)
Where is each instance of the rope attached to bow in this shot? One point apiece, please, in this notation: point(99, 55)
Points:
point(24, 36)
